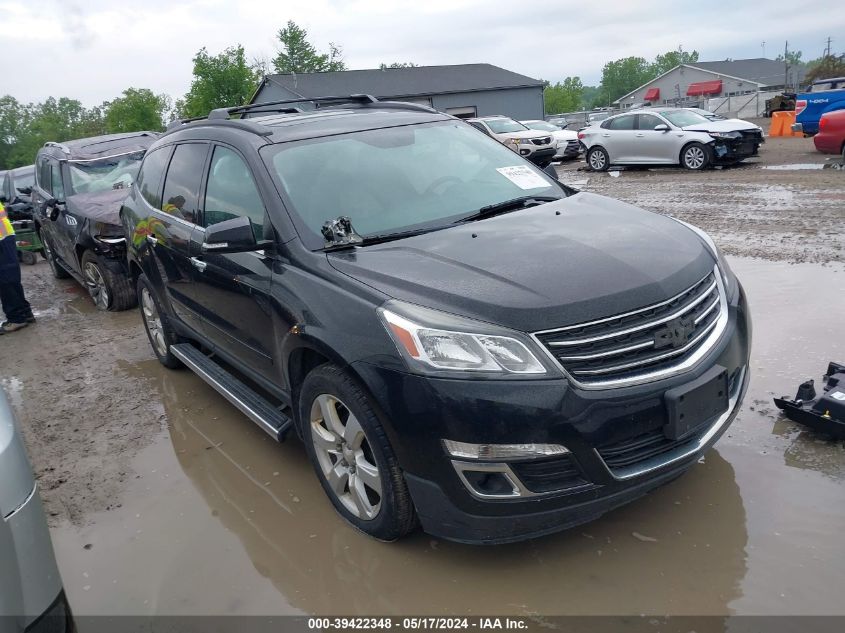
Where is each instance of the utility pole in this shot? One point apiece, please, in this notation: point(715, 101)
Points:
point(763, 46)
point(785, 64)
point(827, 48)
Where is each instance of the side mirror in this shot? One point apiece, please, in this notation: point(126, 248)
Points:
point(550, 171)
point(232, 236)
point(661, 128)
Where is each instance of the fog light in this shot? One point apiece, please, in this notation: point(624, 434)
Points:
point(490, 484)
point(499, 452)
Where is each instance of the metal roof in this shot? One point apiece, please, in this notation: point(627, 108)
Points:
point(402, 82)
point(768, 72)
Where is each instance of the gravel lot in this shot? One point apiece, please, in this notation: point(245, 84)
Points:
point(162, 498)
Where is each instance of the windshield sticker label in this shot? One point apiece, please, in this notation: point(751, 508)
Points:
point(523, 177)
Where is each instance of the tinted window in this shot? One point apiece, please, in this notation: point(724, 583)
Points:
point(56, 180)
point(149, 178)
point(623, 122)
point(231, 191)
point(649, 121)
point(181, 187)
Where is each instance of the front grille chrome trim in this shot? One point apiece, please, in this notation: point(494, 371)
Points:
point(689, 362)
point(639, 328)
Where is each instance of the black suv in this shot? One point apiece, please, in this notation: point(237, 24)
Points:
point(15, 191)
point(79, 188)
point(458, 338)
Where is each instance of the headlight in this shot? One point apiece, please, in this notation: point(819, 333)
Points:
point(727, 274)
point(725, 134)
point(434, 342)
point(525, 141)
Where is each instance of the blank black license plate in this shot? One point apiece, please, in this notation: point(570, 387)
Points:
point(697, 403)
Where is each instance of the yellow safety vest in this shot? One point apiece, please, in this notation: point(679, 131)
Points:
point(6, 228)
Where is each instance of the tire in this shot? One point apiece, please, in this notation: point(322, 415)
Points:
point(696, 156)
point(157, 324)
point(55, 267)
point(598, 159)
point(379, 504)
point(28, 257)
point(110, 291)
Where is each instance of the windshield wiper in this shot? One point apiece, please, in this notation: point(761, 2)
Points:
point(379, 238)
point(507, 205)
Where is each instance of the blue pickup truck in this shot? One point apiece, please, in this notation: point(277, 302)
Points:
point(825, 95)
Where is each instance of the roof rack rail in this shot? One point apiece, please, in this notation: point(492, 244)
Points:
point(61, 146)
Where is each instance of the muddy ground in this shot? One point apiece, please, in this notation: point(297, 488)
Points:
point(164, 499)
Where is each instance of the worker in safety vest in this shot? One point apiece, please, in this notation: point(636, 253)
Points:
point(15, 306)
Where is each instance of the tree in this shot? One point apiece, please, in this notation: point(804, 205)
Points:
point(384, 66)
point(589, 95)
point(793, 58)
point(564, 97)
point(298, 55)
point(621, 77)
point(220, 81)
point(667, 61)
point(825, 67)
point(137, 110)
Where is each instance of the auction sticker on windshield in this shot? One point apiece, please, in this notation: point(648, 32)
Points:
point(523, 177)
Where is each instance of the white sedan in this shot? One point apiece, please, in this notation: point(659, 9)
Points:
point(568, 145)
point(669, 136)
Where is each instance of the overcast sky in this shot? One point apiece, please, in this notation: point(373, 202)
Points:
point(92, 50)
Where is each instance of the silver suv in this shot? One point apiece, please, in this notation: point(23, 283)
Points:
point(537, 146)
point(31, 595)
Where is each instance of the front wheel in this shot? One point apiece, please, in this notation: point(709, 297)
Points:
point(696, 157)
point(109, 290)
point(159, 331)
point(352, 456)
point(598, 159)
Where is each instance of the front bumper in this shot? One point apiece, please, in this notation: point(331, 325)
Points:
point(536, 155)
point(420, 412)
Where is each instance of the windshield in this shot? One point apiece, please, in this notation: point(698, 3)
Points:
point(682, 118)
point(24, 177)
point(542, 125)
point(116, 172)
point(503, 126)
point(399, 179)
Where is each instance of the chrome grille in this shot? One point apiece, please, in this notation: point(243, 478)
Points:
point(542, 141)
point(654, 339)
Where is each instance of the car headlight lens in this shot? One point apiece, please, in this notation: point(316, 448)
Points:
point(428, 343)
point(524, 141)
point(727, 274)
point(725, 134)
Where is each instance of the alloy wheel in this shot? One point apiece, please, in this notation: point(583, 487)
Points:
point(597, 160)
point(96, 285)
point(694, 158)
point(345, 457)
point(153, 322)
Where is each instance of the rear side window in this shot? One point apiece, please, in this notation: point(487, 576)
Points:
point(149, 178)
point(623, 122)
point(181, 186)
point(231, 191)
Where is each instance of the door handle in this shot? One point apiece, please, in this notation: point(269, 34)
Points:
point(152, 240)
point(605, 134)
point(640, 135)
point(198, 263)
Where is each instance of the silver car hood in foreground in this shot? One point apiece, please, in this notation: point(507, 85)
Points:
point(728, 125)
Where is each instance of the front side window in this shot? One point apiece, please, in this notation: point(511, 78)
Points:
point(149, 178)
point(623, 122)
point(104, 174)
point(56, 184)
point(397, 179)
point(231, 191)
point(182, 183)
point(649, 122)
point(44, 178)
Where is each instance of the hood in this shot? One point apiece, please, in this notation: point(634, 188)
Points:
point(525, 134)
point(533, 270)
point(101, 206)
point(728, 125)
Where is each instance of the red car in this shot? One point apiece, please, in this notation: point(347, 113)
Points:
point(831, 136)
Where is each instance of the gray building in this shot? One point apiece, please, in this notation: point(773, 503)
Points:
point(463, 90)
point(707, 80)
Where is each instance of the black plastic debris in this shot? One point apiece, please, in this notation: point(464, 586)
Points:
point(826, 413)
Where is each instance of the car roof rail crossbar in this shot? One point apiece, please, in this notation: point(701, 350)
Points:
point(244, 124)
point(317, 101)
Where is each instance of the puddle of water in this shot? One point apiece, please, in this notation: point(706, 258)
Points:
point(794, 167)
point(222, 520)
